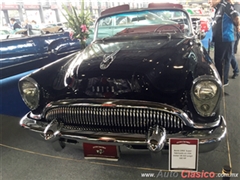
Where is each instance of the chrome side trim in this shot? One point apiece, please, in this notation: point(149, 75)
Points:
point(26, 62)
point(64, 53)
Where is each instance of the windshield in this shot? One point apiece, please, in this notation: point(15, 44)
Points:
point(144, 22)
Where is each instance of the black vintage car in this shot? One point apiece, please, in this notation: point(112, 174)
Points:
point(144, 79)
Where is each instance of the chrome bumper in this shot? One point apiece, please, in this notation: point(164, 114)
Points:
point(208, 139)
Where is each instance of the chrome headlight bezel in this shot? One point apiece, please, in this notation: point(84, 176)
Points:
point(30, 92)
point(206, 93)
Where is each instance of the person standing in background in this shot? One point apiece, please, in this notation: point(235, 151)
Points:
point(234, 62)
point(28, 26)
point(225, 20)
point(34, 24)
point(15, 25)
point(237, 8)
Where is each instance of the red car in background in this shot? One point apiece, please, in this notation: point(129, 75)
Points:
point(205, 24)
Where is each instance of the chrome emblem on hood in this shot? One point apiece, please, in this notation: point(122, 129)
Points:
point(108, 59)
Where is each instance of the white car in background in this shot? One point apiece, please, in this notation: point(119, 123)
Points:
point(52, 28)
point(5, 32)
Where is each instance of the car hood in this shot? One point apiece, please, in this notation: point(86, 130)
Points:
point(159, 70)
point(162, 64)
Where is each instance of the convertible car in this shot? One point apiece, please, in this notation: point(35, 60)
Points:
point(22, 52)
point(4, 32)
point(137, 85)
point(51, 28)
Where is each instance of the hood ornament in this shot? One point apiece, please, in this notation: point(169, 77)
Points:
point(108, 59)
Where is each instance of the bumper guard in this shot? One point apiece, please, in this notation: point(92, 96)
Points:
point(155, 140)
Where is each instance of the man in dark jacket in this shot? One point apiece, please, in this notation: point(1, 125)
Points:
point(15, 25)
point(226, 20)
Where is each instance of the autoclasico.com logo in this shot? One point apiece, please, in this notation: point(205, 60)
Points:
point(185, 174)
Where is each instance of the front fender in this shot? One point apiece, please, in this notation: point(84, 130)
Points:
point(63, 45)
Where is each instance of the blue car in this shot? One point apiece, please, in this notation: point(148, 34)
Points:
point(21, 54)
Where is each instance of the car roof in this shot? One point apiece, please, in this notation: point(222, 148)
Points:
point(126, 7)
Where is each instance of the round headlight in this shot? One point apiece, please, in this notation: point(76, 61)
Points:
point(205, 90)
point(29, 91)
point(206, 95)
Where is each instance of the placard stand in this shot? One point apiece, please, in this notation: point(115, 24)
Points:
point(226, 170)
point(183, 154)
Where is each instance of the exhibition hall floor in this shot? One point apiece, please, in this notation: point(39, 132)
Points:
point(24, 157)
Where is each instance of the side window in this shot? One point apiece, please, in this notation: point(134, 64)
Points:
point(178, 14)
point(106, 22)
point(123, 21)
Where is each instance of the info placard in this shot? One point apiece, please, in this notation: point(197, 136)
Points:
point(183, 154)
point(100, 151)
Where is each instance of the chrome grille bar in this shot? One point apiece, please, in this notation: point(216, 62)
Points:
point(114, 119)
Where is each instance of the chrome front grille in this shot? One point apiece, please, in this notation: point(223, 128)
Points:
point(114, 119)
